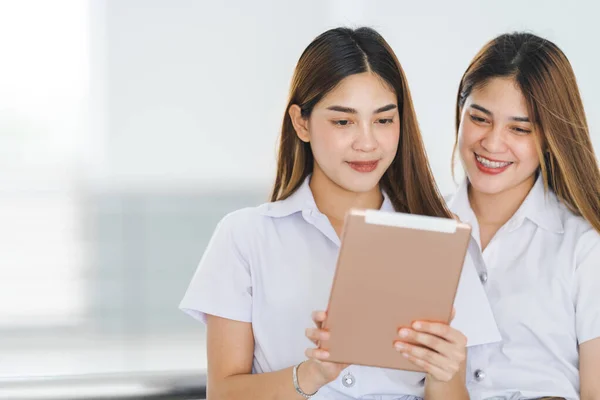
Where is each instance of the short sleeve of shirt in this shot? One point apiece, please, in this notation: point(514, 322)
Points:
point(587, 287)
point(222, 283)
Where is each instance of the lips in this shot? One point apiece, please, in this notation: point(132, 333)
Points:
point(363, 166)
point(491, 167)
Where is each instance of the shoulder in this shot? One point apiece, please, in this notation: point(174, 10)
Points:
point(242, 223)
point(240, 219)
point(580, 232)
point(247, 225)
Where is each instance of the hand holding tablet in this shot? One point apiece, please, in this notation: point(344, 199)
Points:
point(395, 269)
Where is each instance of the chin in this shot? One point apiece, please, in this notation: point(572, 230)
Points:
point(487, 187)
point(360, 184)
point(360, 188)
point(490, 184)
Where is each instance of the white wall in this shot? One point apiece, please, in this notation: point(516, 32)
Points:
point(43, 127)
point(195, 90)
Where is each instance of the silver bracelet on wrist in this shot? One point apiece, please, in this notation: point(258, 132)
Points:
point(297, 386)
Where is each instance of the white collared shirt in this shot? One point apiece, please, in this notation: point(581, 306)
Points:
point(273, 265)
point(541, 272)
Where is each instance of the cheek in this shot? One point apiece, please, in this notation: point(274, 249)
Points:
point(325, 139)
point(389, 138)
point(526, 153)
point(467, 137)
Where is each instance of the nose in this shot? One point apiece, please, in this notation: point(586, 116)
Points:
point(493, 141)
point(365, 140)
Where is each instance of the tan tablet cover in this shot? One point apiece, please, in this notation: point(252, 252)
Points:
point(392, 270)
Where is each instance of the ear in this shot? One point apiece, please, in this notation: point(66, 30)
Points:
point(299, 122)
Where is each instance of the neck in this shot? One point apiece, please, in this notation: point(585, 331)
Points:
point(334, 201)
point(496, 209)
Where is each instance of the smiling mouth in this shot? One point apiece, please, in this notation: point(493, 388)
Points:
point(486, 162)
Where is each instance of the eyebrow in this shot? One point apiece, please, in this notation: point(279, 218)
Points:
point(354, 111)
point(488, 112)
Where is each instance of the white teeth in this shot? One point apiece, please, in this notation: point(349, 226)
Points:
point(491, 164)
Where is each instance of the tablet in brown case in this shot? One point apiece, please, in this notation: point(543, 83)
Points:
point(392, 270)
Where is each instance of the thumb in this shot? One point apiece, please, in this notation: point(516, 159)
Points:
point(453, 314)
point(319, 317)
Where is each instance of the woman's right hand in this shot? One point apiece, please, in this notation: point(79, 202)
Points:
point(322, 370)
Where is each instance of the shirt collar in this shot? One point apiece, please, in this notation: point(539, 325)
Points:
point(302, 200)
point(459, 203)
point(387, 203)
point(540, 206)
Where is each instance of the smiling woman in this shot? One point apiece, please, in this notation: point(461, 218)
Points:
point(532, 195)
point(496, 138)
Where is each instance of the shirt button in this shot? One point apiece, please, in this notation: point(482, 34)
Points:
point(483, 277)
point(348, 380)
point(479, 375)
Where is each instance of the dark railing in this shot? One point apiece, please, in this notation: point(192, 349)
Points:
point(183, 385)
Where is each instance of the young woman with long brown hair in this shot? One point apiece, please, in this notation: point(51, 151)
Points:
point(532, 195)
point(349, 139)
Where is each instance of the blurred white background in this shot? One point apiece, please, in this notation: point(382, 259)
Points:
point(129, 127)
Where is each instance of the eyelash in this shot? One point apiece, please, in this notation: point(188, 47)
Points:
point(477, 119)
point(339, 122)
point(345, 122)
point(480, 120)
point(522, 131)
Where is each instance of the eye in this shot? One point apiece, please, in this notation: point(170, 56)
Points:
point(385, 121)
point(521, 131)
point(477, 119)
point(341, 122)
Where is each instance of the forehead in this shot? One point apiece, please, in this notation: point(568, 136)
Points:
point(502, 96)
point(361, 91)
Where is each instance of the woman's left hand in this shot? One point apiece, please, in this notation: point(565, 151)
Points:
point(440, 349)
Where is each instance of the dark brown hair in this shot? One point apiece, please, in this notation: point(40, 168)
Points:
point(544, 75)
point(331, 57)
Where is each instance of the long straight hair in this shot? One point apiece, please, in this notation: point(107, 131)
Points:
point(331, 57)
point(546, 79)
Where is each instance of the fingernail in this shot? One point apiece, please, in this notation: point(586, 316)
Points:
point(324, 354)
point(400, 346)
point(405, 355)
point(417, 325)
point(404, 332)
